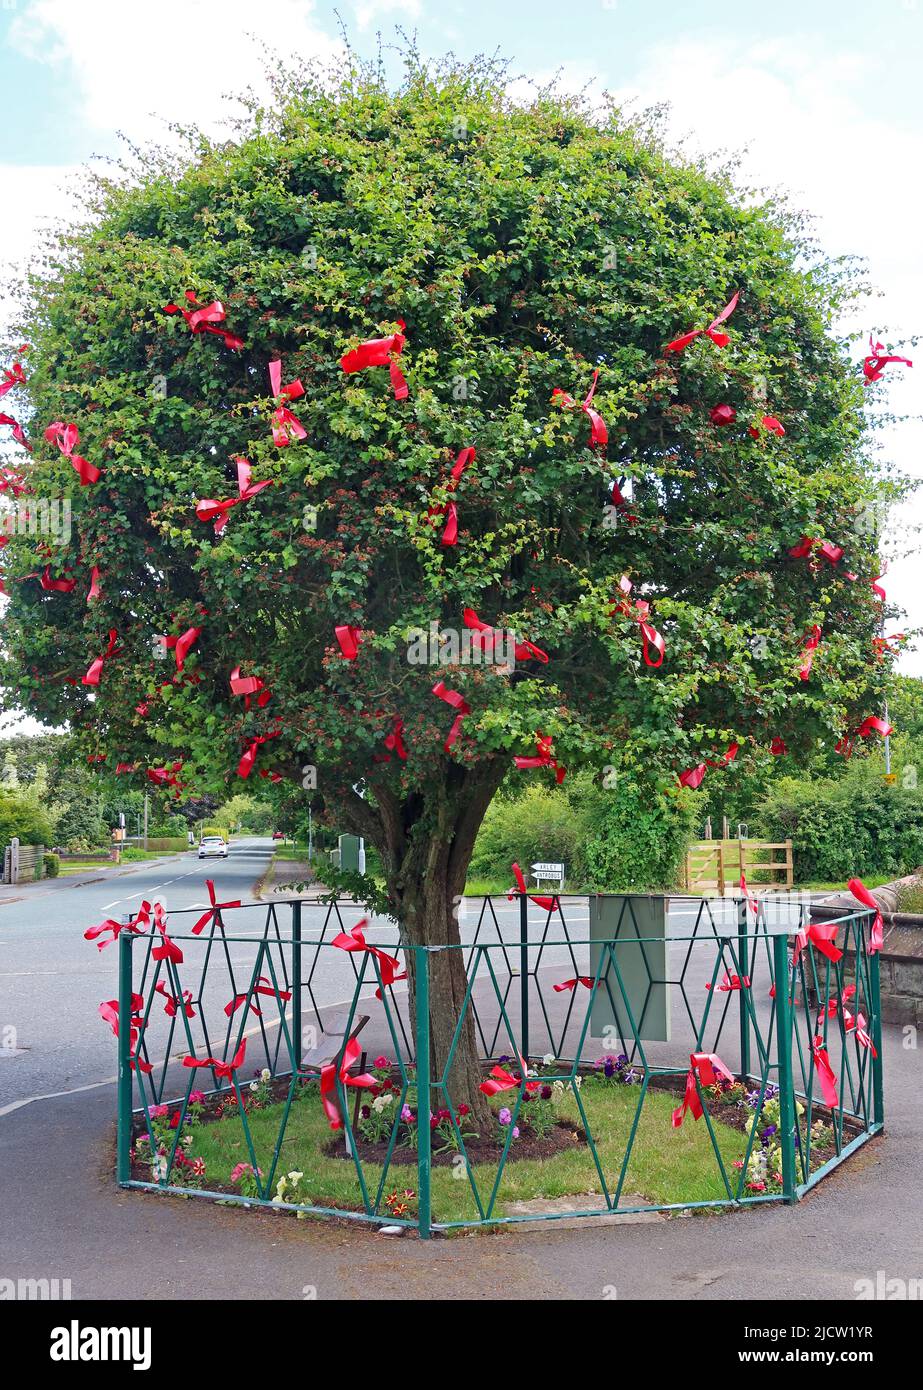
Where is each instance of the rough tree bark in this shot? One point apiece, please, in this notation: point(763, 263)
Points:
point(426, 846)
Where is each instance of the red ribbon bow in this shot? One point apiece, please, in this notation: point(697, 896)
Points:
point(706, 1067)
point(719, 338)
point(639, 611)
point(262, 986)
point(138, 925)
point(544, 758)
point(286, 427)
point(207, 509)
point(12, 376)
point(808, 650)
point(502, 1080)
point(248, 758)
point(873, 366)
point(777, 747)
point(692, 776)
point(723, 415)
point(825, 1074)
point(394, 741)
point(331, 1073)
point(175, 1001)
point(859, 890)
point(223, 1070)
point(67, 437)
point(165, 776)
point(18, 431)
point(770, 424)
point(457, 702)
point(95, 670)
point(205, 318)
point(599, 435)
point(753, 901)
point(586, 980)
point(12, 482)
point(354, 940)
point(214, 911)
point(109, 1012)
point(547, 904)
point(833, 554)
point(380, 352)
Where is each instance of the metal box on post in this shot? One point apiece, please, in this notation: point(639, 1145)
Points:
point(638, 922)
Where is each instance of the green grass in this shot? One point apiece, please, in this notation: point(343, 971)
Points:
point(667, 1165)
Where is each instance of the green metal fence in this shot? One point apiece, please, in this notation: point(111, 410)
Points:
point(759, 1001)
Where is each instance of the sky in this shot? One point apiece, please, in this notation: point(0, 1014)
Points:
point(821, 98)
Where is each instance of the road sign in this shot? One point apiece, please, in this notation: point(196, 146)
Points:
point(890, 778)
point(548, 871)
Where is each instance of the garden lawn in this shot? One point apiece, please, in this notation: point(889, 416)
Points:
point(667, 1165)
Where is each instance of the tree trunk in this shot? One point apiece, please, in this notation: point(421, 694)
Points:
point(426, 847)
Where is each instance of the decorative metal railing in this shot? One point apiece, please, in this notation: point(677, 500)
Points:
point(242, 1043)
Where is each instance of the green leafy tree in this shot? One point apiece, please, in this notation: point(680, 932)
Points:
point(524, 249)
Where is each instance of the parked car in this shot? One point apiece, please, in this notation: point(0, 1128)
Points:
point(213, 847)
point(278, 835)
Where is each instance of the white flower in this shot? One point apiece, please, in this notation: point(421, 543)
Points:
point(265, 1074)
point(254, 1086)
point(549, 1059)
point(160, 1169)
point(578, 1082)
point(296, 1177)
point(379, 1103)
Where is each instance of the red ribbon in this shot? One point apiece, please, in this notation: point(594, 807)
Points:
point(872, 724)
point(457, 702)
point(109, 1012)
point(380, 352)
point(67, 437)
point(12, 376)
point(825, 1074)
point(777, 747)
point(692, 776)
point(544, 758)
point(859, 1026)
point(262, 986)
point(286, 427)
point(223, 1070)
point(706, 1067)
point(138, 925)
point(880, 645)
point(599, 435)
point(182, 645)
point(245, 766)
point(833, 554)
point(873, 366)
point(586, 980)
point(522, 651)
point(331, 1073)
point(349, 639)
point(502, 1080)
point(355, 941)
point(753, 901)
point(808, 650)
point(205, 318)
point(394, 742)
point(547, 904)
point(95, 671)
point(249, 686)
point(18, 431)
point(175, 1001)
point(723, 415)
point(732, 982)
point(770, 424)
point(94, 592)
point(58, 586)
point(12, 482)
point(165, 777)
point(449, 509)
point(207, 509)
point(639, 612)
point(821, 936)
point(213, 911)
point(719, 338)
point(859, 890)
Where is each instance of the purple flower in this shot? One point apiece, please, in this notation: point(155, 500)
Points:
point(406, 1114)
point(546, 1093)
point(609, 1068)
point(505, 1116)
point(515, 1131)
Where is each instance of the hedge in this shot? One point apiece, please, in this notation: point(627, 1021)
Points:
point(847, 827)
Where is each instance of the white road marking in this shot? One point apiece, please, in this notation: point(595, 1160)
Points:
point(55, 1095)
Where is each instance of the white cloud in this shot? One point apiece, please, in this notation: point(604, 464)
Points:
point(135, 65)
point(368, 12)
point(798, 113)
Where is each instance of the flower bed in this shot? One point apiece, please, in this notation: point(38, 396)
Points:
point(548, 1152)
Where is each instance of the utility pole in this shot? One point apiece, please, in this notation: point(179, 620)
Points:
point(145, 818)
point(887, 746)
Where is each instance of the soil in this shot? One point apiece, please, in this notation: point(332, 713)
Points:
point(528, 1145)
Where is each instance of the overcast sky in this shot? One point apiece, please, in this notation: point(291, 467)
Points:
point(824, 96)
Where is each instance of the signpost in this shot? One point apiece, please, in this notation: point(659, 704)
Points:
point(549, 872)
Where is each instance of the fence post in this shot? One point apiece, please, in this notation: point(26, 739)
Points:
point(743, 964)
point(123, 1126)
point(424, 1133)
point(787, 1111)
point(878, 1088)
point(297, 1042)
point(524, 975)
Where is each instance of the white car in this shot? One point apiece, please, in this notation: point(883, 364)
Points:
point(213, 847)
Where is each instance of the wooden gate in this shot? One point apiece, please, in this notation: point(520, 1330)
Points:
point(712, 866)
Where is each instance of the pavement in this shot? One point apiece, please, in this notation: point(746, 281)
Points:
point(64, 1217)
